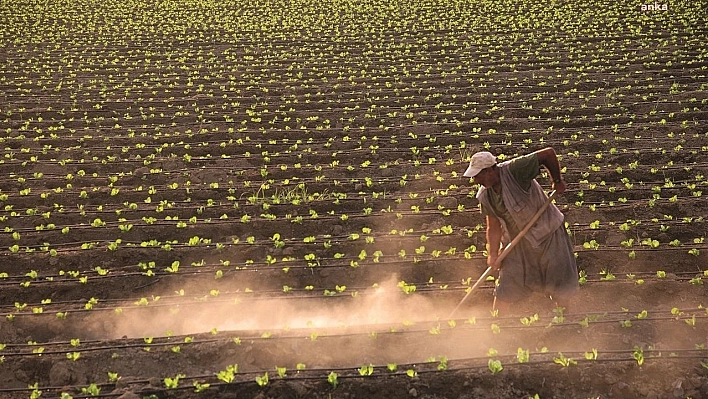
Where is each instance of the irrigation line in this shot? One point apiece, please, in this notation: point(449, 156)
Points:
point(338, 240)
point(320, 238)
point(236, 219)
point(298, 263)
point(286, 54)
point(297, 293)
point(459, 85)
point(323, 334)
point(338, 263)
point(379, 329)
point(196, 303)
point(386, 198)
point(198, 138)
point(313, 39)
point(235, 171)
point(302, 293)
point(435, 82)
point(379, 372)
point(254, 197)
point(432, 117)
point(256, 218)
point(336, 133)
point(274, 169)
point(363, 151)
point(464, 85)
point(343, 265)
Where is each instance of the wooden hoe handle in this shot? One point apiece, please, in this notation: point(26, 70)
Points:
point(508, 248)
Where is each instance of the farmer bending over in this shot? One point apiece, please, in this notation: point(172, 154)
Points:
point(509, 196)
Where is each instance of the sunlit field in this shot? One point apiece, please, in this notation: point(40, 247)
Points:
point(264, 199)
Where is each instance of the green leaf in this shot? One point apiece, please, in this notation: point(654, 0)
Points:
point(262, 380)
point(332, 379)
point(495, 366)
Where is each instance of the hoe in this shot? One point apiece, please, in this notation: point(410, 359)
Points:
point(507, 249)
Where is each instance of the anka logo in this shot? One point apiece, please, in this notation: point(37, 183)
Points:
point(654, 7)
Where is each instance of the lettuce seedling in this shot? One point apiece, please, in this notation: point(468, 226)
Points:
point(198, 387)
point(173, 383)
point(366, 370)
point(332, 379)
point(113, 377)
point(591, 355)
point(92, 390)
point(228, 374)
point(522, 355)
point(638, 355)
point(564, 361)
point(495, 366)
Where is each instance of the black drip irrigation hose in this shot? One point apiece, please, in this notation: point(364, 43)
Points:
point(333, 375)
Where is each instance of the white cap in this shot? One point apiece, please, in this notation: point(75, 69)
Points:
point(479, 161)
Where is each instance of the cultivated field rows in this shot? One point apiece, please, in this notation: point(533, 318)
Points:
point(264, 200)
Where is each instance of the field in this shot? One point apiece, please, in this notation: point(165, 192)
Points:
point(264, 199)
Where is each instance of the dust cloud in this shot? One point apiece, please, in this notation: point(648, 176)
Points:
point(382, 306)
point(349, 321)
point(375, 310)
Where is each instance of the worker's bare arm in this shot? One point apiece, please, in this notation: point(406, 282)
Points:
point(494, 235)
point(547, 158)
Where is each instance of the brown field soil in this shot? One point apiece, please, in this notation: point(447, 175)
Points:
point(237, 203)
